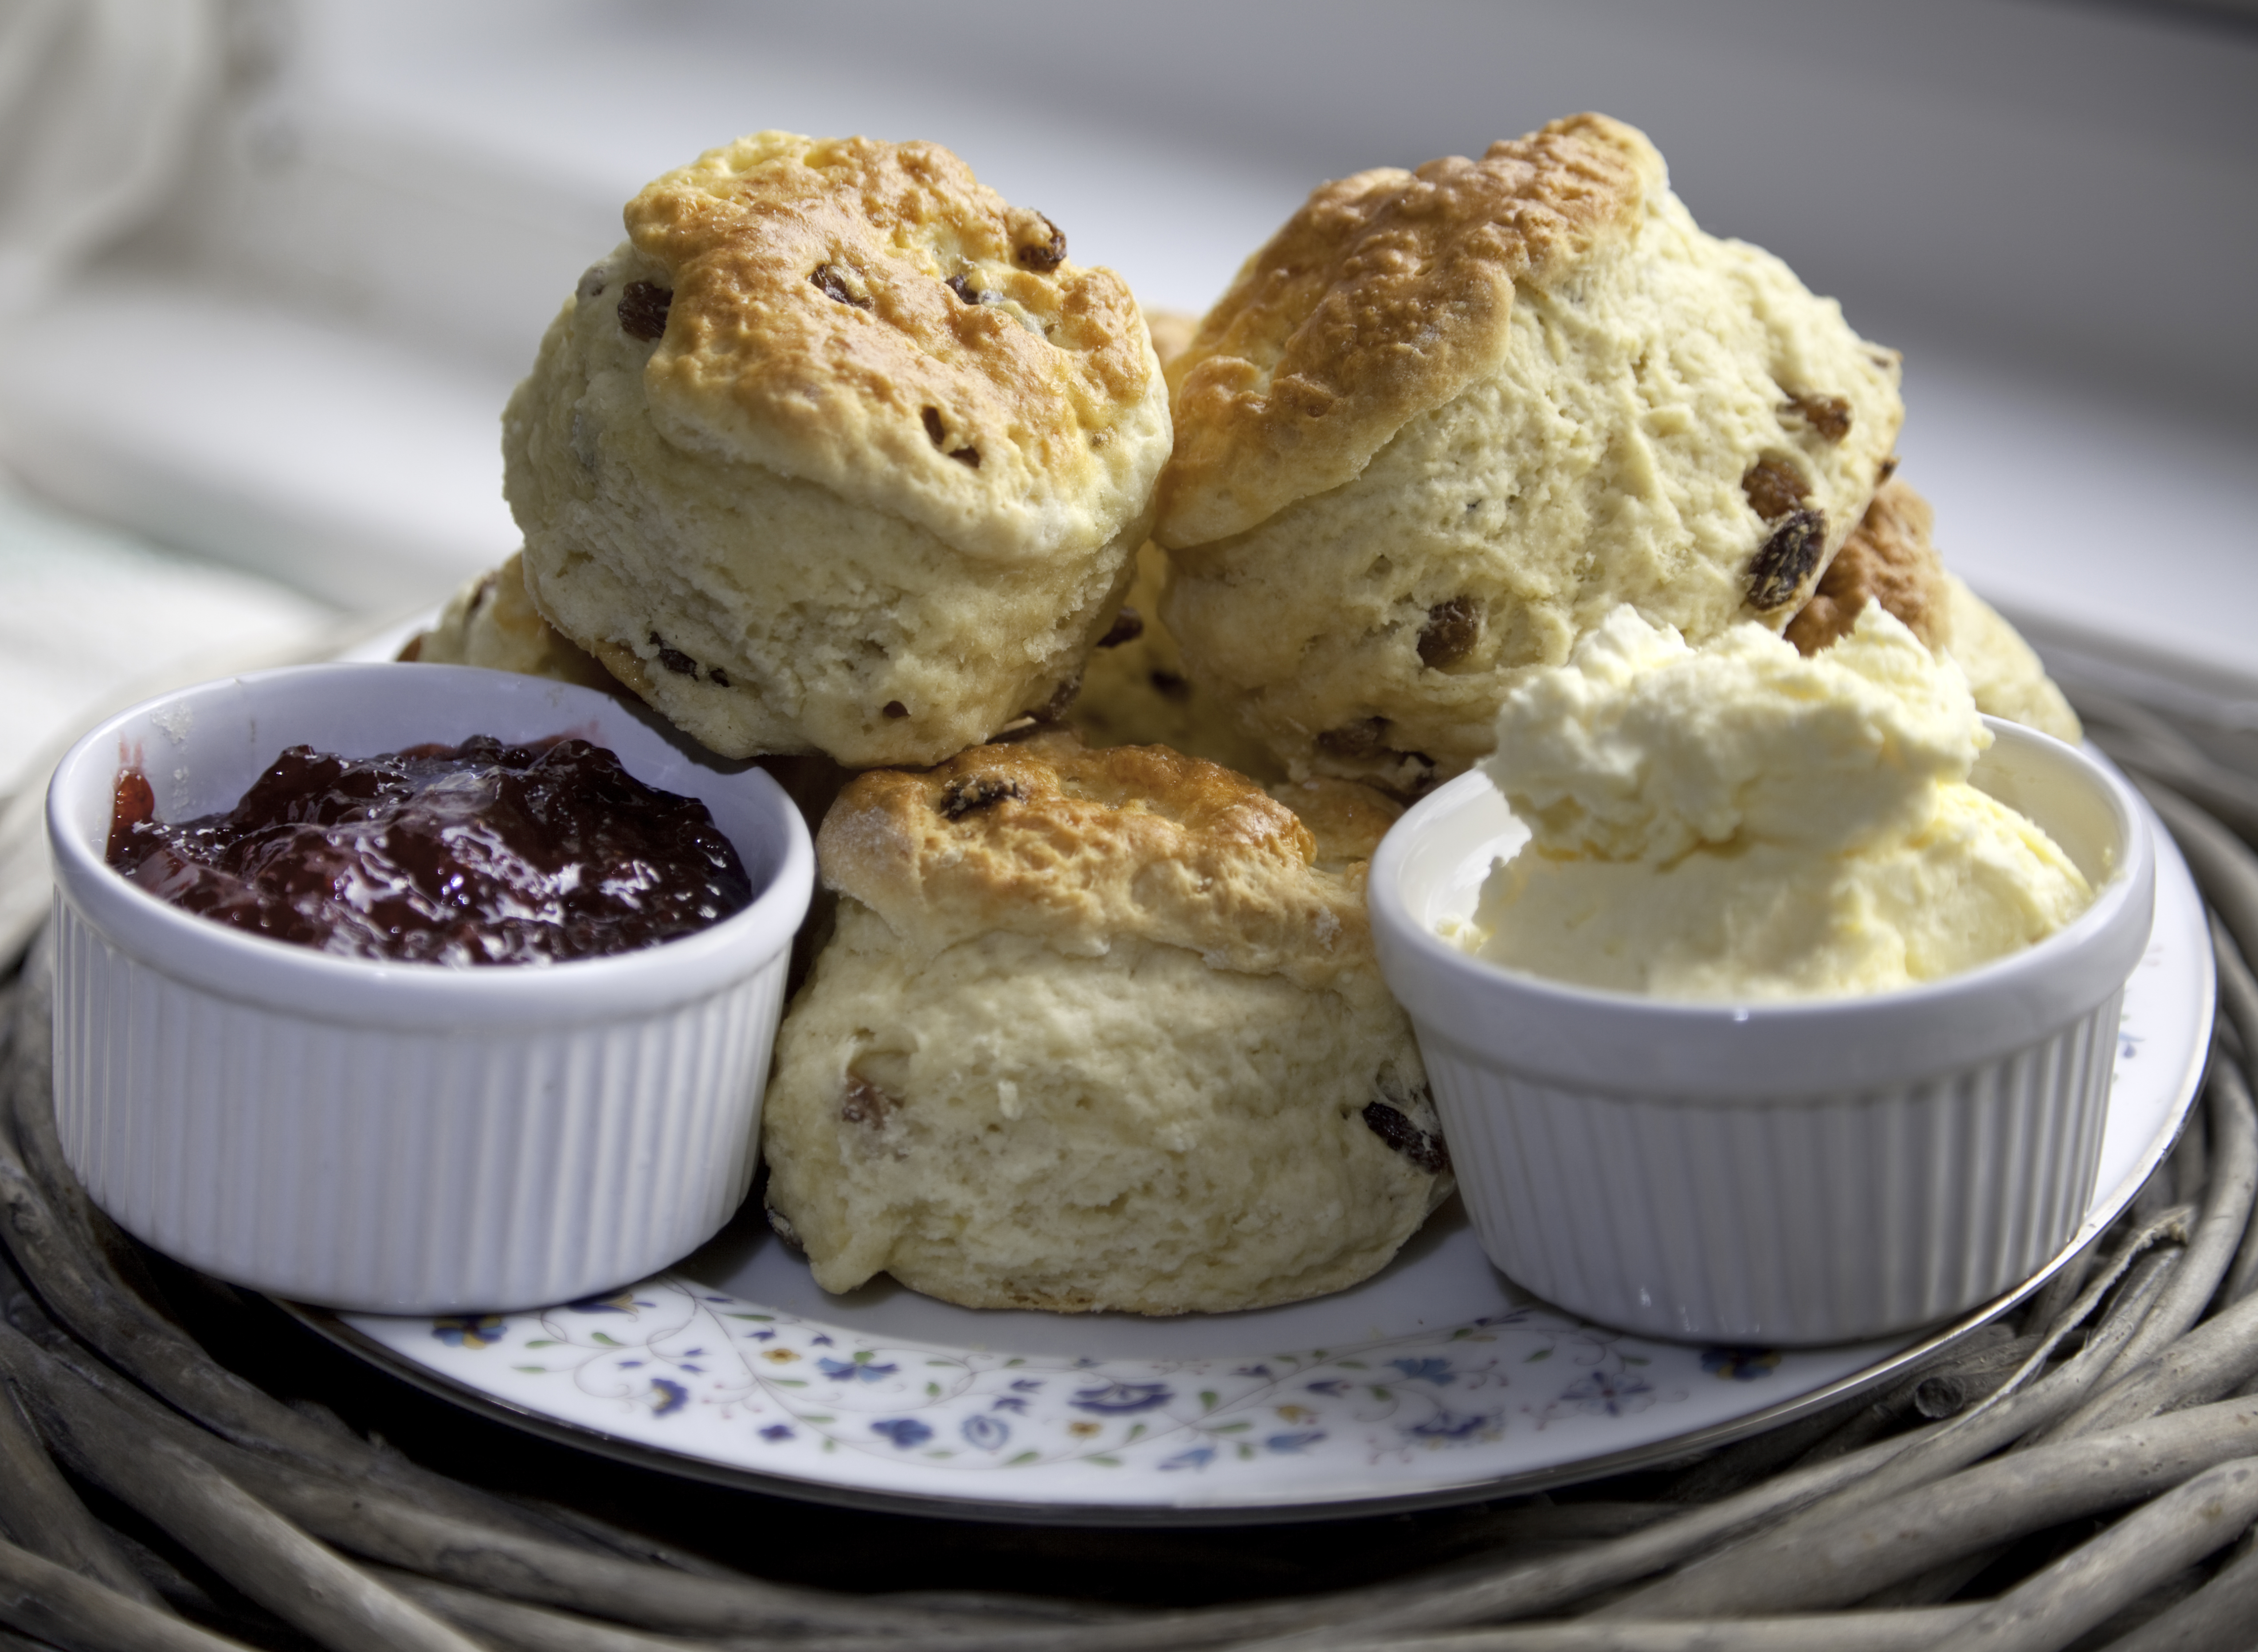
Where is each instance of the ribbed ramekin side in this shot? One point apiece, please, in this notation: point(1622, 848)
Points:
point(364, 1168)
point(1831, 1219)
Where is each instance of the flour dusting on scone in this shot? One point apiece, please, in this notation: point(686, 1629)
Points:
point(1098, 1030)
point(838, 451)
point(1448, 420)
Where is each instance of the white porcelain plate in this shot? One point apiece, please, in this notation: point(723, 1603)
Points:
point(1435, 1382)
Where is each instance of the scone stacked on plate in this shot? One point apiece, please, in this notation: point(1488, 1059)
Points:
point(839, 455)
point(1890, 560)
point(1099, 1029)
point(838, 452)
point(1446, 420)
point(491, 622)
point(1135, 691)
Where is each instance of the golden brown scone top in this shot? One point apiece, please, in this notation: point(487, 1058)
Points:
point(1887, 559)
point(869, 316)
point(1385, 295)
point(1345, 818)
point(1042, 837)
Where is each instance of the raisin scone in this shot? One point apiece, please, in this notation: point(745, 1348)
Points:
point(1891, 559)
point(838, 451)
point(1098, 1030)
point(1446, 421)
point(1135, 692)
point(491, 622)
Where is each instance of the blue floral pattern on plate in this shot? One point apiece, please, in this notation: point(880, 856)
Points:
point(670, 1345)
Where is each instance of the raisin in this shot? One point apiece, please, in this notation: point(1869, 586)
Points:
point(1043, 256)
point(718, 677)
point(971, 793)
point(1062, 697)
point(1127, 626)
point(673, 659)
point(786, 1234)
point(895, 709)
point(1423, 1149)
point(1829, 415)
point(938, 434)
point(1452, 630)
point(963, 288)
point(1365, 739)
point(642, 310)
point(1774, 488)
point(1786, 558)
point(1169, 686)
point(834, 287)
point(865, 1103)
point(1885, 470)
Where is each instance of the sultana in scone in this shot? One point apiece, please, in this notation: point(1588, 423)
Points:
point(1446, 421)
point(837, 452)
point(1098, 1030)
point(492, 622)
point(1890, 559)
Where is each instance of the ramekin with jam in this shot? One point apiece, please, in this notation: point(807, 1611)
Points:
point(301, 1098)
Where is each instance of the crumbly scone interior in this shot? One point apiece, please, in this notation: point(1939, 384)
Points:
point(1138, 1130)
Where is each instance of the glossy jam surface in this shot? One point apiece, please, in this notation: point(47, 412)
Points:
point(477, 854)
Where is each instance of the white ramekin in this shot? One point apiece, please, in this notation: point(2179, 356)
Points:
point(406, 1137)
point(1806, 1171)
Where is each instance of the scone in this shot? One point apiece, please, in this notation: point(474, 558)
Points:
point(1136, 693)
point(837, 452)
point(1098, 1030)
point(1446, 420)
point(492, 622)
point(1890, 559)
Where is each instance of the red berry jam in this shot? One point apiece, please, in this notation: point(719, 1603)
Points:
point(477, 854)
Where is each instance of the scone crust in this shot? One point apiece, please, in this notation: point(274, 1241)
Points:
point(1077, 848)
point(1137, 1132)
point(1892, 559)
point(1137, 693)
point(1659, 417)
point(491, 622)
point(1056, 1054)
point(1889, 558)
point(1384, 296)
point(813, 331)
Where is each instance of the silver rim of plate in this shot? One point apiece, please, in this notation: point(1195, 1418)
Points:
point(734, 1368)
